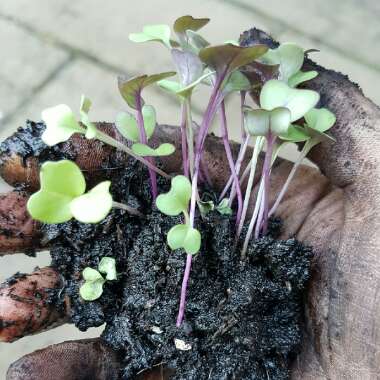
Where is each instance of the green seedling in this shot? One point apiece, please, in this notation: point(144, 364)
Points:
point(318, 121)
point(290, 58)
point(173, 203)
point(61, 124)
point(186, 24)
point(223, 207)
point(159, 33)
point(164, 149)
point(92, 289)
point(278, 94)
point(130, 90)
point(126, 124)
point(62, 196)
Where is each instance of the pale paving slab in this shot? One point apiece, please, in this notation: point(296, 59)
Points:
point(26, 62)
point(349, 26)
point(104, 34)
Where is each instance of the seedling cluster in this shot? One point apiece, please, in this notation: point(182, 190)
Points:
point(276, 113)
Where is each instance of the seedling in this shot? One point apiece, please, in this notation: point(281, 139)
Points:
point(182, 235)
point(281, 113)
point(62, 196)
point(61, 124)
point(92, 289)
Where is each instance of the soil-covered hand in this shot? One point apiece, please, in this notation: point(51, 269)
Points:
point(337, 212)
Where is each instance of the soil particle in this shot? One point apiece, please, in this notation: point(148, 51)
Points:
point(243, 320)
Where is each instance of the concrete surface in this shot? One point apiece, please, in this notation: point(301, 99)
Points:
point(53, 51)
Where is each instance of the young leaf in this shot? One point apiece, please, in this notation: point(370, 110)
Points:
point(185, 23)
point(320, 119)
point(107, 265)
point(186, 237)
point(177, 89)
point(85, 105)
point(223, 207)
point(289, 56)
point(197, 41)
point(92, 289)
point(60, 123)
point(90, 274)
point(126, 124)
point(145, 151)
point(93, 206)
point(206, 207)
point(61, 182)
point(259, 122)
point(237, 82)
point(224, 59)
point(170, 86)
point(189, 66)
point(160, 33)
point(278, 94)
point(295, 134)
point(131, 88)
point(177, 199)
point(301, 77)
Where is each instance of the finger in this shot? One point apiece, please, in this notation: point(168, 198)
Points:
point(24, 304)
point(22, 153)
point(84, 359)
point(18, 232)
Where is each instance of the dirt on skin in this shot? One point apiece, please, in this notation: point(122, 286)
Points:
point(243, 321)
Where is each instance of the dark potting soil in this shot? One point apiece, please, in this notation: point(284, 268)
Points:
point(243, 321)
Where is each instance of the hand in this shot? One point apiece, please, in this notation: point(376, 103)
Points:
point(337, 213)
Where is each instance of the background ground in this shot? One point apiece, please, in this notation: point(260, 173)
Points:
point(53, 51)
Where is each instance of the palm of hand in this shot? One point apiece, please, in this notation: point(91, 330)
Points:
point(338, 214)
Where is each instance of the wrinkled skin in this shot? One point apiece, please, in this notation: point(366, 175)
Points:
point(337, 212)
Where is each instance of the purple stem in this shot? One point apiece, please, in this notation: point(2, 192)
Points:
point(185, 160)
point(242, 103)
point(206, 122)
point(224, 132)
point(144, 140)
point(262, 221)
point(185, 281)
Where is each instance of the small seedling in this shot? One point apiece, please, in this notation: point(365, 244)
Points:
point(61, 124)
point(173, 203)
point(62, 196)
point(130, 90)
point(92, 289)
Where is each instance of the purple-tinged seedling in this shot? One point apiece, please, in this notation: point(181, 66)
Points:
point(130, 90)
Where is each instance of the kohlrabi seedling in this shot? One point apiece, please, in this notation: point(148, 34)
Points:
point(61, 124)
point(92, 288)
point(160, 33)
point(184, 236)
point(290, 58)
point(130, 90)
point(62, 196)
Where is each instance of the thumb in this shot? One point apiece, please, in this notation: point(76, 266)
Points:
point(354, 157)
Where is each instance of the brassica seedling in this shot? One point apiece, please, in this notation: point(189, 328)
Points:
point(184, 236)
point(62, 196)
point(290, 58)
point(130, 90)
point(160, 33)
point(92, 288)
point(61, 124)
point(318, 121)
